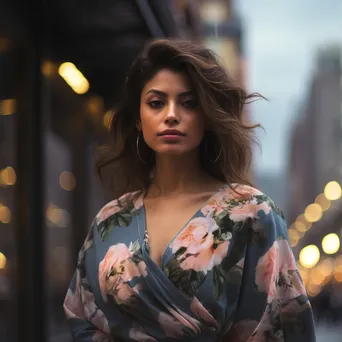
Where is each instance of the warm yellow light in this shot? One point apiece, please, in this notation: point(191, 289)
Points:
point(331, 243)
point(59, 217)
point(293, 237)
point(7, 107)
point(327, 266)
point(332, 191)
point(338, 269)
point(214, 12)
point(300, 226)
point(338, 261)
point(5, 214)
point(316, 276)
point(313, 290)
point(301, 219)
point(323, 202)
point(3, 261)
point(67, 181)
point(338, 276)
point(74, 78)
point(8, 176)
point(49, 68)
point(304, 273)
point(53, 214)
point(94, 106)
point(309, 256)
point(107, 120)
point(313, 212)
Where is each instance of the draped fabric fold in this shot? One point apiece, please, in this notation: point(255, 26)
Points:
point(228, 275)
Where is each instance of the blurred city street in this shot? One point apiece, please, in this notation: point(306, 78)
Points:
point(329, 333)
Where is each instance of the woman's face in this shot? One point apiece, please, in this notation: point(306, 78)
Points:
point(171, 120)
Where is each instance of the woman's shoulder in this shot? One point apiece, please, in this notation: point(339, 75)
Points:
point(240, 202)
point(127, 203)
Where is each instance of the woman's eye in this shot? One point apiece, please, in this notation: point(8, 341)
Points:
point(190, 104)
point(156, 104)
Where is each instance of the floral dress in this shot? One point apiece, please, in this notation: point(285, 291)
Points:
point(228, 275)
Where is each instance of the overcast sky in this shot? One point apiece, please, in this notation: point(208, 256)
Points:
point(281, 38)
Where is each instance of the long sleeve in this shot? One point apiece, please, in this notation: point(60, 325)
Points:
point(273, 304)
point(87, 322)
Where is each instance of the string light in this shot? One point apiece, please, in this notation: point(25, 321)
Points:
point(323, 202)
point(309, 256)
point(313, 212)
point(7, 107)
point(331, 243)
point(3, 261)
point(5, 214)
point(74, 78)
point(332, 191)
point(8, 176)
point(67, 181)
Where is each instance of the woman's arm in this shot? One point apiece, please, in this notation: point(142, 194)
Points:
point(273, 304)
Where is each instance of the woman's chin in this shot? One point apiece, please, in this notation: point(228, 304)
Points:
point(174, 152)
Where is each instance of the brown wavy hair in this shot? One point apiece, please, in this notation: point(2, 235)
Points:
point(221, 100)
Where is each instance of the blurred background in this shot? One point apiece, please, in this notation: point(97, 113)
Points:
point(62, 64)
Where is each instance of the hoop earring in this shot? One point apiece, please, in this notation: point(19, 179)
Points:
point(206, 151)
point(139, 156)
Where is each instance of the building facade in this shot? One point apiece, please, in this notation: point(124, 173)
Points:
point(315, 161)
point(223, 34)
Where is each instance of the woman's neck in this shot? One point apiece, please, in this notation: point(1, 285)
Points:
point(176, 175)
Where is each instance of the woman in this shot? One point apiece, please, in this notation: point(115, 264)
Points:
point(190, 251)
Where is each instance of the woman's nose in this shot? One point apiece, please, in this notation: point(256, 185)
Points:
point(172, 115)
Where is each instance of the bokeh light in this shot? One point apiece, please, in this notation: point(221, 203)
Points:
point(5, 214)
point(7, 107)
point(332, 191)
point(67, 181)
point(8, 176)
point(3, 261)
point(313, 212)
point(74, 78)
point(309, 256)
point(323, 202)
point(331, 243)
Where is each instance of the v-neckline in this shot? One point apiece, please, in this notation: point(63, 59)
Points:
point(142, 227)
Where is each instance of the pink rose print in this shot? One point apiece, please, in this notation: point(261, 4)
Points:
point(250, 209)
point(100, 337)
point(114, 207)
point(109, 209)
point(173, 323)
point(136, 333)
point(198, 239)
point(73, 305)
point(274, 264)
point(241, 331)
point(263, 326)
point(116, 269)
point(199, 310)
point(220, 202)
point(187, 321)
point(172, 327)
point(215, 205)
point(81, 304)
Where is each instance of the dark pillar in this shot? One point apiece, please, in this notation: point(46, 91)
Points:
point(29, 202)
point(80, 155)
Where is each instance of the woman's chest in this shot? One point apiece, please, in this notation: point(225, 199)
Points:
point(164, 223)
